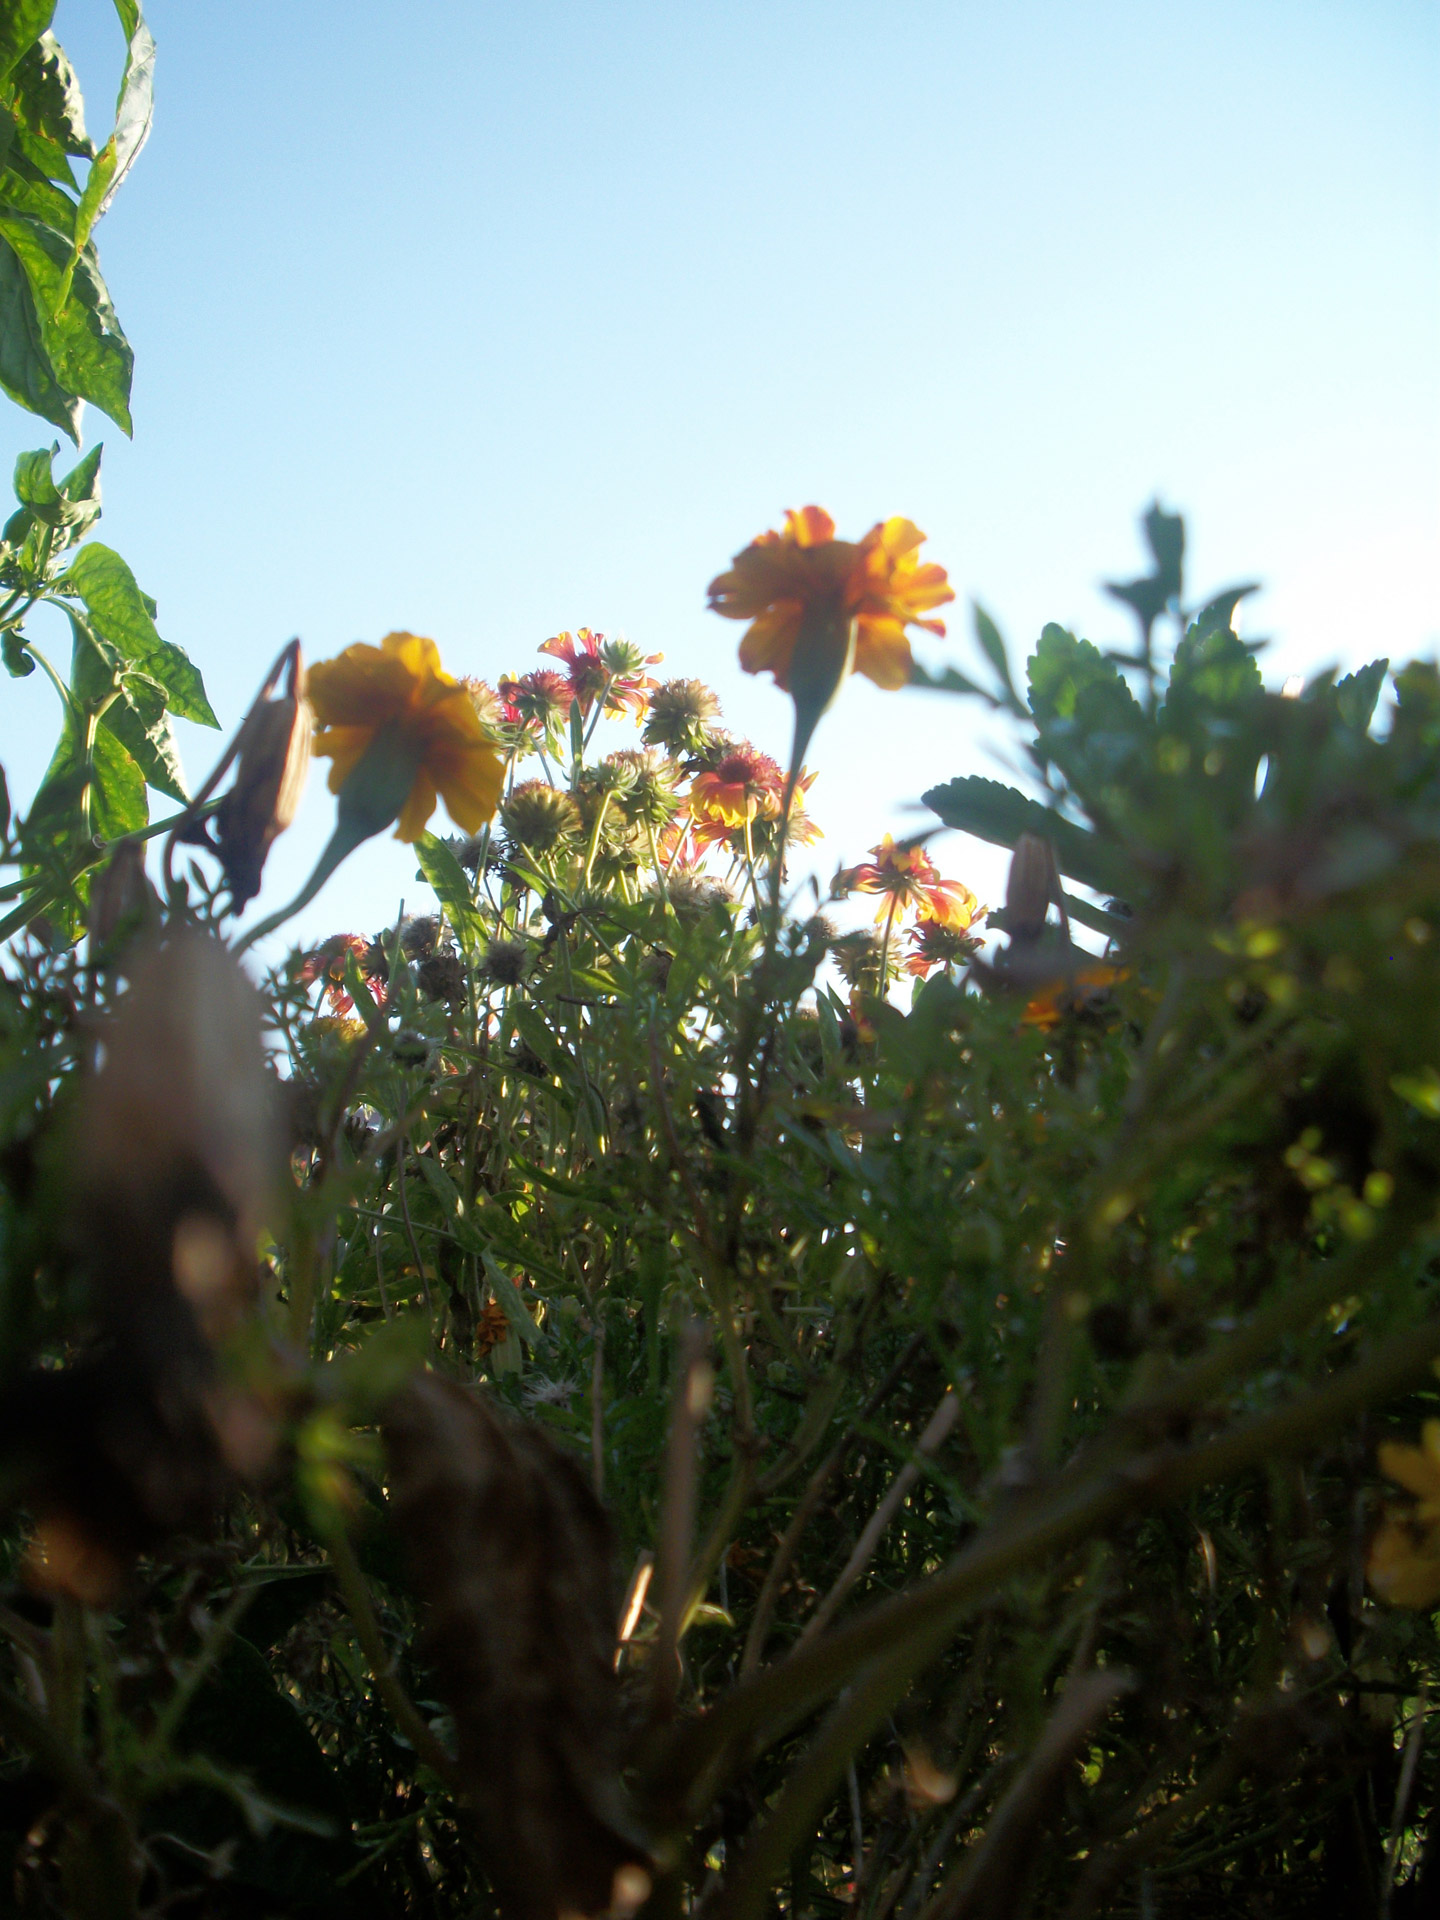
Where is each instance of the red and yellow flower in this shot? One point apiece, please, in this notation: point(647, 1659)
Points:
point(742, 785)
point(907, 880)
point(398, 698)
point(876, 586)
point(611, 671)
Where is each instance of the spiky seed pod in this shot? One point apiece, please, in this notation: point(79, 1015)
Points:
point(682, 715)
point(422, 936)
point(541, 818)
point(694, 896)
point(651, 798)
point(442, 977)
point(857, 955)
point(511, 1553)
point(505, 962)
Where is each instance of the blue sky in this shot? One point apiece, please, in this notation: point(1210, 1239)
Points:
point(489, 320)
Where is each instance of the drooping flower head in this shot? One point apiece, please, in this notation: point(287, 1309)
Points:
point(819, 606)
point(907, 880)
point(933, 944)
point(741, 784)
point(536, 699)
point(397, 727)
point(682, 715)
point(540, 818)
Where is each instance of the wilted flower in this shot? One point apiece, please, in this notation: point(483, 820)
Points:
point(860, 957)
point(682, 715)
point(601, 669)
point(401, 732)
point(327, 963)
point(934, 943)
point(818, 606)
point(541, 818)
point(537, 698)
point(695, 895)
point(272, 761)
point(490, 710)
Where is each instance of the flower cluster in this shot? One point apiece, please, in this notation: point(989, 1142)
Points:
point(908, 882)
point(1404, 1559)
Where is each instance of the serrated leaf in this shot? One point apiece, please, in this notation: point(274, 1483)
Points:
point(1001, 814)
point(1219, 611)
point(80, 335)
point(119, 614)
point(1213, 673)
point(1071, 680)
point(1357, 693)
point(25, 370)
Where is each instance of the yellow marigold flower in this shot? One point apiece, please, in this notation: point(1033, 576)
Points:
point(398, 694)
point(877, 583)
point(1403, 1565)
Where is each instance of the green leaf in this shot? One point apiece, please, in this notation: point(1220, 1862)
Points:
point(1214, 674)
point(449, 879)
point(120, 614)
point(19, 661)
point(73, 504)
point(117, 802)
point(1357, 693)
point(141, 724)
point(50, 111)
point(507, 1294)
point(992, 645)
point(950, 681)
point(134, 112)
point(1150, 596)
point(89, 356)
point(21, 24)
point(1220, 611)
point(1071, 680)
point(25, 370)
point(1000, 815)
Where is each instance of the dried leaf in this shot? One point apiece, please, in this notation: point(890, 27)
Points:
point(512, 1553)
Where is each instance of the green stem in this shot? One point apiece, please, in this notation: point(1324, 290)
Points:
point(347, 836)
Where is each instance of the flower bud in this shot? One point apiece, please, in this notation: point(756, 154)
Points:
point(273, 760)
point(1031, 887)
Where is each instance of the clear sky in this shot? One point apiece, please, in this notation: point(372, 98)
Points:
point(488, 320)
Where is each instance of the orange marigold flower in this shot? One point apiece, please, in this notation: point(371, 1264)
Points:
point(877, 583)
point(742, 785)
point(400, 690)
point(906, 877)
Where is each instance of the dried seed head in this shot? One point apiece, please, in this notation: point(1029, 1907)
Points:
point(273, 760)
point(422, 935)
point(505, 962)
point(694, 895)
point(122, 901)
point(1032, 885)
point(540, 818)
point(442, 977)
point(511, 1552)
